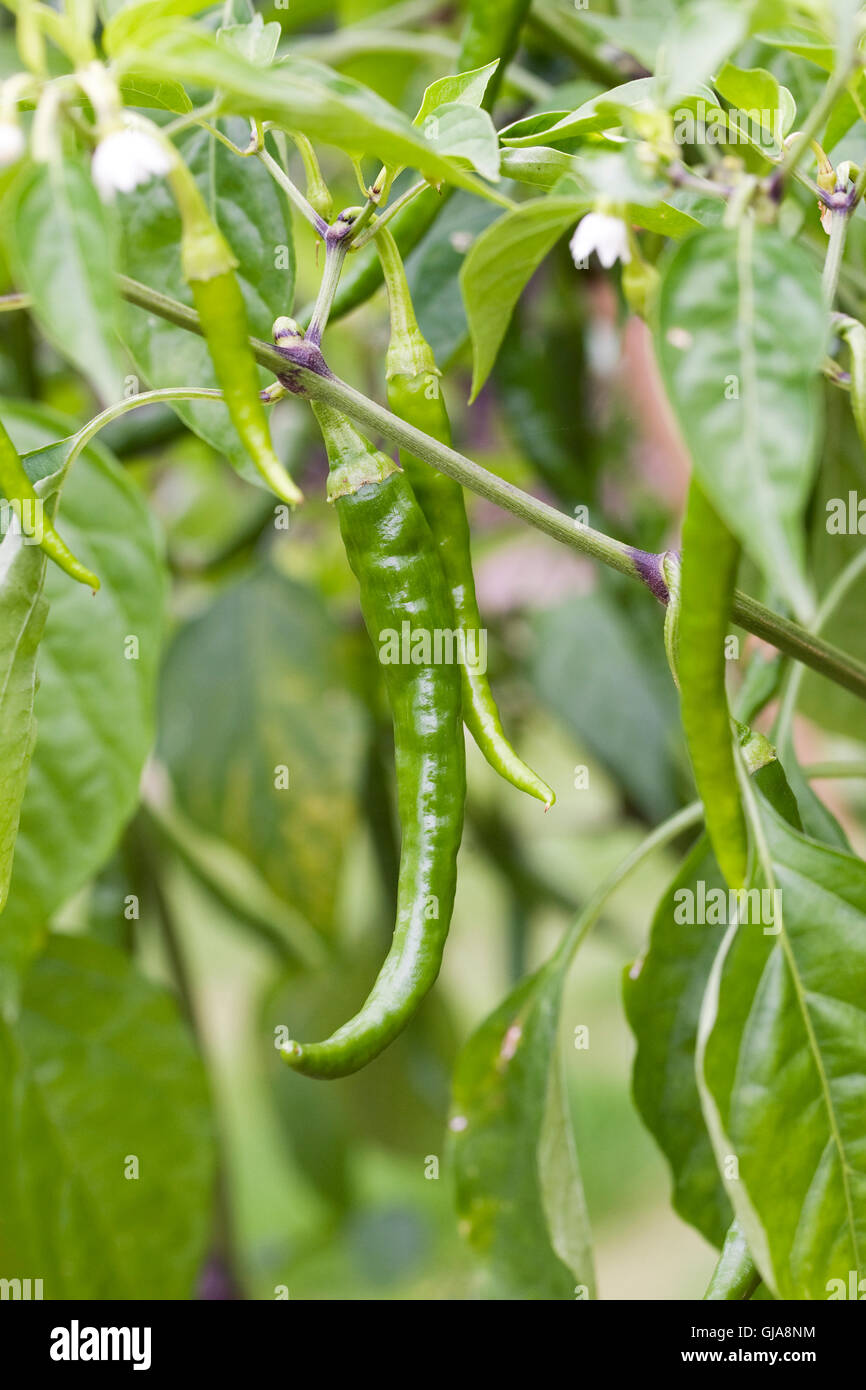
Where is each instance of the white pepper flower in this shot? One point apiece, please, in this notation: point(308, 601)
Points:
point(12, 142)
point(608, 236)
point(125, 159)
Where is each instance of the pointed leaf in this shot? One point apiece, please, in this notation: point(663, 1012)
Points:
point(99, 1195)
point(782, 1067)
point(740, 338)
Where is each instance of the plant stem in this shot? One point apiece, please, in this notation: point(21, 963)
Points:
point(335, 254)
point(835, 252)
point(816, 771)
point(112, 412)
point(663, 834)
point(8, 302)
point(293, 192)
point(385, 217)
point(783, 634)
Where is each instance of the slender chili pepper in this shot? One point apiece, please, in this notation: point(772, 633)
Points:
point(394, 559)
point(492, 31)
point(709, 571)
point(209, 266)
point(30, 510)
point(415, 395)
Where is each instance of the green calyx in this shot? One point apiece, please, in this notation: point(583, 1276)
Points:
point(757, 750)
point(409, 353)
point(354, 463)
point(204, 251)
point(671, 566)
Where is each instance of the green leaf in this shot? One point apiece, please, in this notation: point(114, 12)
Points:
point(399, 1105)
point(554, 169)
point(255, 220)
point(782, 1066)
point(58, 236)
point(703, 611)
point(129, 19)
point(627, 714)
point(703, 34)
point(663, 993)
point(499, 266)
point(755, 92)
point(465, 87)
point(94, 705)
point(231, 878)
point(748, 88)
point(740, 338)
point(149, 91)
point(464, 133)
point(23, 610)
point(99, 1071)
point(286, 717)
point(804, 39)
point(519, 1194)
point(735, 1277)
point(298, 94)
point(255, 41)
point(837, 532)
point(605, 111)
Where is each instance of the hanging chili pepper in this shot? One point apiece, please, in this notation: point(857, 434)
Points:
point(394, 559)
point(209, 266)
point(414, 394)
point(30, 510)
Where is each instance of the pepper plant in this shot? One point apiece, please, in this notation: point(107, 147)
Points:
point(190, 713)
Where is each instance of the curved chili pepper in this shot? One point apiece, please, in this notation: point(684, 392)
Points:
point(394, 559)
point(19, 491)
point(414, 394)
point(209, 269)
point(709, 571)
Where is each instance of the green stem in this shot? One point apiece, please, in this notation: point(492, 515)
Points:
point(397, 206)
point(293, 192)
point(754, 617)
point(565, 37)
point(335, 255)
point(816, 771)
point(166, 393)
point(663, 834)
point(8, 302)
point(835, 252)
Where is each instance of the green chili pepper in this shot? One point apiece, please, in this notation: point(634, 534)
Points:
point(492, 31)
point(208, 267)
point(30, 510)
point(709, 570)
point(414, 394)
point(394, 558)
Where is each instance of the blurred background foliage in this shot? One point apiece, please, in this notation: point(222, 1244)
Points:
point(267, 906)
